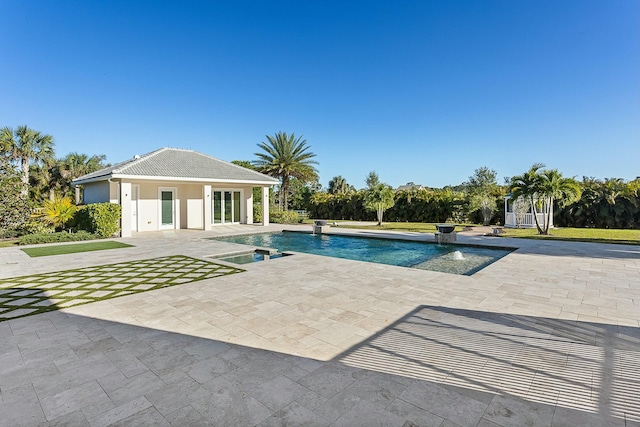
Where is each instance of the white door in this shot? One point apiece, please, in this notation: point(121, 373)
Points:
point(167, 208)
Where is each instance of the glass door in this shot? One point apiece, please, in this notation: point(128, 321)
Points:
point(167, 208)
point(217, 207)
point(226, 207)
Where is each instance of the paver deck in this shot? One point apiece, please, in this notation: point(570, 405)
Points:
point(548, 335)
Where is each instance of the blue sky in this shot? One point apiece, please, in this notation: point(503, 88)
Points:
point(422, 91)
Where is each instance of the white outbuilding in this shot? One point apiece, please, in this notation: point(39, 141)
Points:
point(516, 217)
point(172, 188)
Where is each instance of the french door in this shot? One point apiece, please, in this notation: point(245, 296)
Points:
point(225, 206)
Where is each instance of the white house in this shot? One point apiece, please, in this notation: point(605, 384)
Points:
point(172, 188)
point(527, 220)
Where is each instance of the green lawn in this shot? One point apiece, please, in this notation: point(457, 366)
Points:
point(74, 248)
point(594, 235)
point(7, 243)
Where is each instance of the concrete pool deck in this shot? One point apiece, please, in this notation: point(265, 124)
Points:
point(548, 335)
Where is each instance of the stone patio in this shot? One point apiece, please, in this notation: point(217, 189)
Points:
point(548, 336)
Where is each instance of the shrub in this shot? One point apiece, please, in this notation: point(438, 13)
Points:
point(57, 212)
point(9, 234)
point(284, 217)
point(35, 226)
point(33, 239)
point(257, 213)
point(99, 218)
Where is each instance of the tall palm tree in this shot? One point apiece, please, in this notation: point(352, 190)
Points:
point(25, 145)
point(527, 186)
point(379, 198)
point(553, 186)
point(544, 186)
point(284, 157)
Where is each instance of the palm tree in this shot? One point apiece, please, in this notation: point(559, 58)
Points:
point(46, 179)
point(379, 198)
point(78, 164)
point(25, 145)
point(55, 175)
point(613, 187)
point(284, 157)
point(544, 186)
point(553, 186)
point(527, 186)
point(338, 185)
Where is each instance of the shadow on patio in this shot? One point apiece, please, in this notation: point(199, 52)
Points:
point(434, 364)
point(584, 366)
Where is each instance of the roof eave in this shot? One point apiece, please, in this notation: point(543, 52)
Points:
point(80, 181)
point(174, 178)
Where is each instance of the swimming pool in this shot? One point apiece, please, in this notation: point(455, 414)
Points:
point(456, 259)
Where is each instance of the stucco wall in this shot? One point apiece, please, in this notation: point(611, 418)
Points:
point(100, 192)
point(188, 205)
point(192, 203)
point(192, 207)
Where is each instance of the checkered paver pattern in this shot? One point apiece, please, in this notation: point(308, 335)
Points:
point(29, 295)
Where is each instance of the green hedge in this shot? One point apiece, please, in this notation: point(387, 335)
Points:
point(102, 219)
point(63, 236)
point(257, 213)
point(284, 217)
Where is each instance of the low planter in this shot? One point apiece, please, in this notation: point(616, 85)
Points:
point(445, 228)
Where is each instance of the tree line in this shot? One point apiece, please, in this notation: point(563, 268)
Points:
point(34, 184)
point(608, 203)
point(31, 177)
point(596, 206)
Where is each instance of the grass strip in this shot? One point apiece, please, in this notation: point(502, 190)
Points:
point(41, 293)
point(74, 248)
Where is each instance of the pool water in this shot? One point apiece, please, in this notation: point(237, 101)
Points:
point(250, 257)
point(457, 259)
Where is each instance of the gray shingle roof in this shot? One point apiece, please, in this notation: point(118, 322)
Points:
point(181, 164)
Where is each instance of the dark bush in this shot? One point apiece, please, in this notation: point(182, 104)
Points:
point(102, 219)
point(34, 239)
